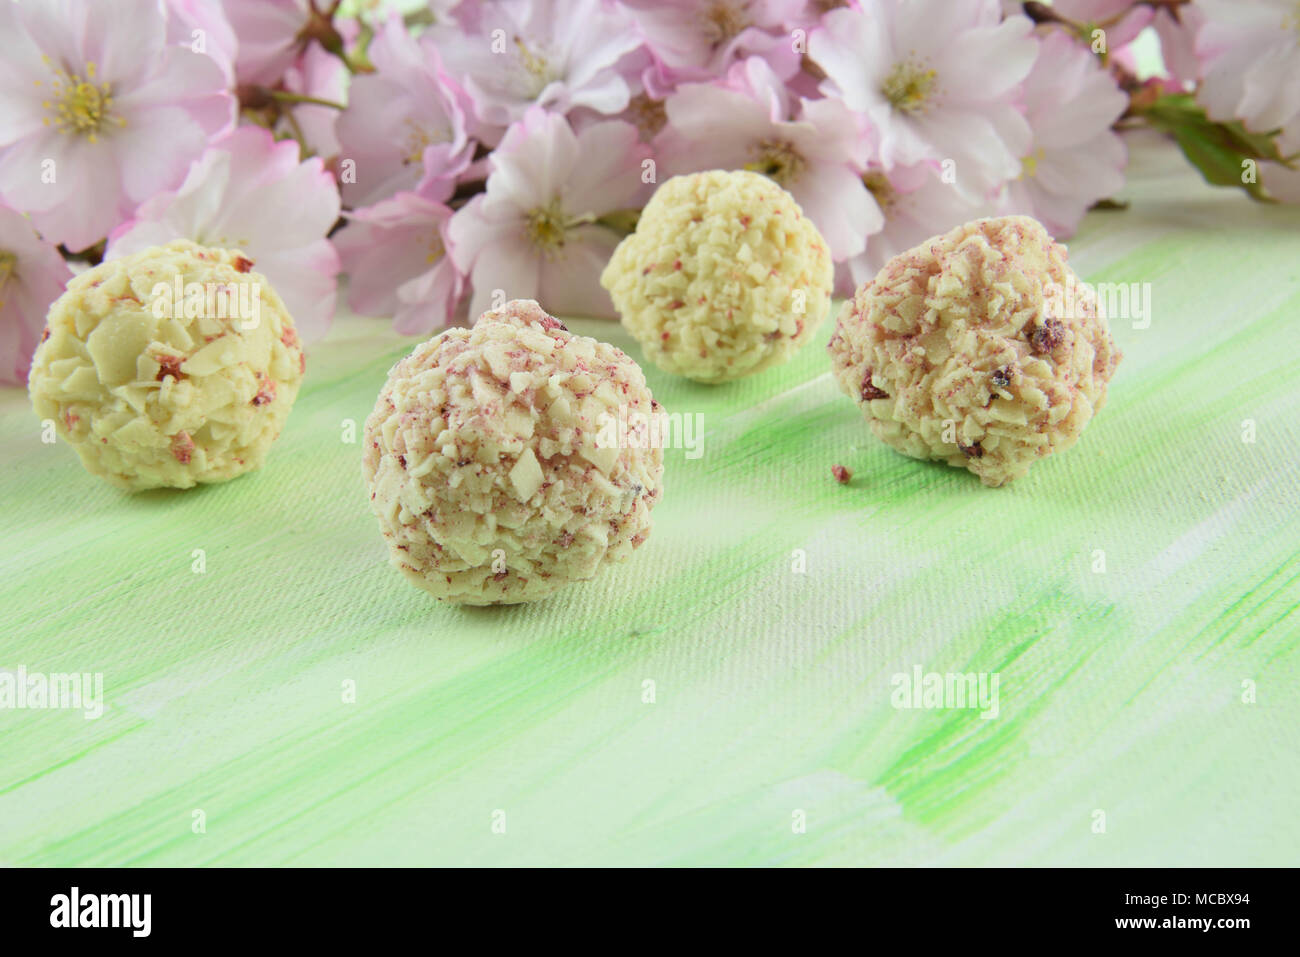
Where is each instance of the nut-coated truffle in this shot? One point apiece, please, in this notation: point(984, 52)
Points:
point(980, 348)
point(170, 367)
point(724, 277)
point(488, 461)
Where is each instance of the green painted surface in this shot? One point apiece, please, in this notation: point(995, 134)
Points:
point(1120, 691)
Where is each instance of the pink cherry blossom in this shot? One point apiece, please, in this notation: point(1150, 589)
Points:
point(701, 39)
point(816, 149)
point(405, 128)
point(270, 36)
point(1075, 158)
point(917, 203)
point(560, 54)
point(395, 256)
point(98, 105)
point(1177, 31)
point(319, 74)
point(32, 275)
point(1283, 182)
point(1250, 62)
point(535, 233)
point(249, 192)
point(645, 107)
point(937, 80)
point(203, 23)
point(1121, 20)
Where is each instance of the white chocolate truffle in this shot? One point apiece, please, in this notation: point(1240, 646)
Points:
point(170, 367)
point(979, 348)
point(724, 277)
point(490, 461)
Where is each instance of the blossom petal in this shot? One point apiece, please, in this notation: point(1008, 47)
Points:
point(511, 266)
point(844, 211)
point(610, 179)
point(570, 284)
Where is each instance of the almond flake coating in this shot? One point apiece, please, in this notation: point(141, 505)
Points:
point(150, 393)
point(960, 350)
point(488, 462)
point(724, 276)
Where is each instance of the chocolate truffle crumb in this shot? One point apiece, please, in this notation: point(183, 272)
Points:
point(1047, 337)
point(869, 391)
point(169, 366)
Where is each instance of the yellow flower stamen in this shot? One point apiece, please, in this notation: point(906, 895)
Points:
point(881, 189)
point(1291, 21)
point(778, 160)
point(547, 227)
point(1029, 164)
point(537, 69)
point(908, 87)
point(722, 21)
point(7, 263)
point(417, 139)
point(436, 250)
point(648, 114)
point(78, 105)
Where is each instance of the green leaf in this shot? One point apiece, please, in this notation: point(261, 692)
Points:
point(1218, 150)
